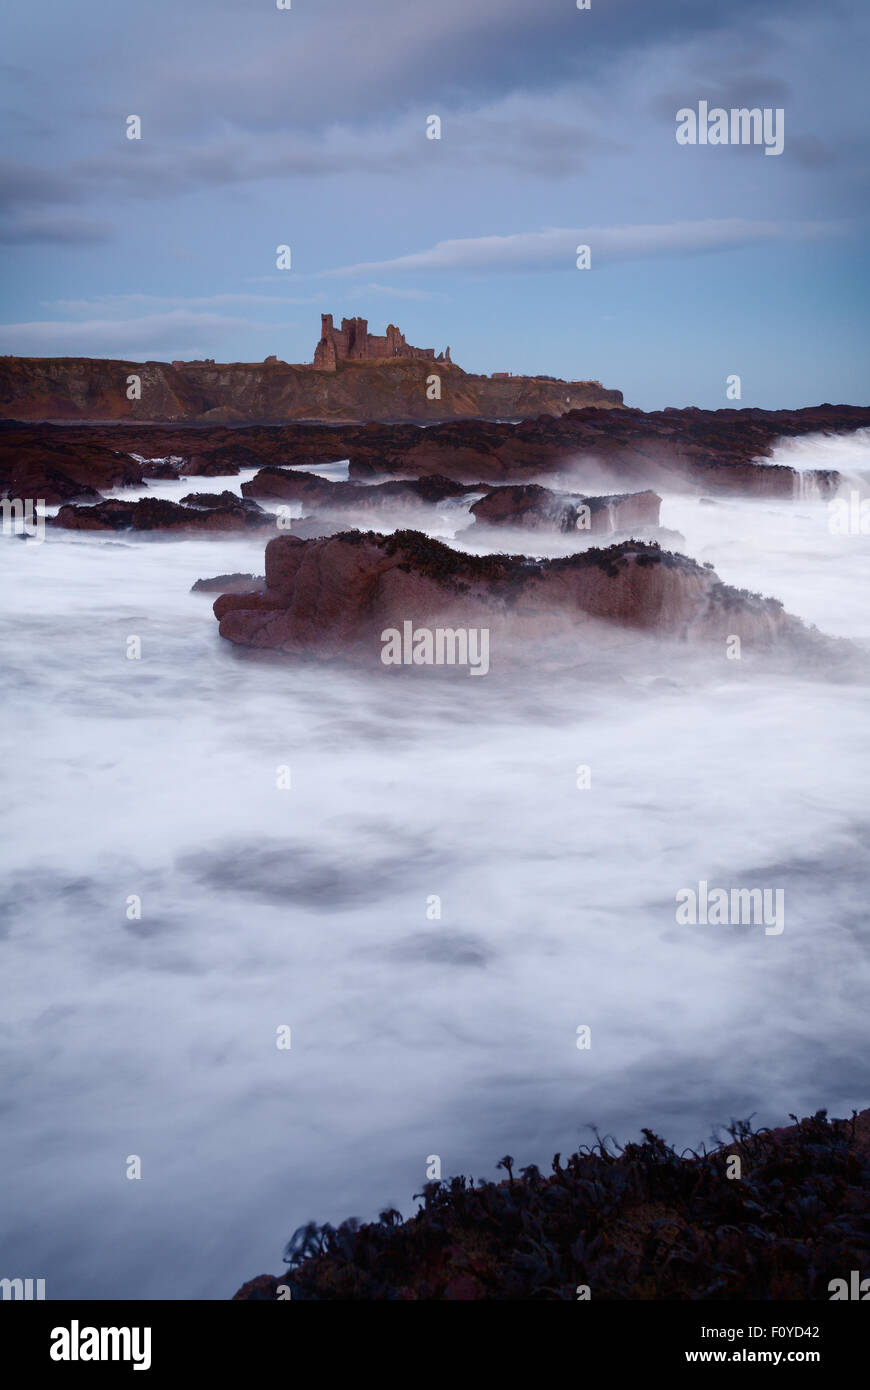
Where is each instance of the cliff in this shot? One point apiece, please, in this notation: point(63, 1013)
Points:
point(84, 388)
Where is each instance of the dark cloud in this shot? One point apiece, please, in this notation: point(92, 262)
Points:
point(58, 230)
point(22, 183)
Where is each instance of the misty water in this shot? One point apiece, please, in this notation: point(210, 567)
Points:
point(307, 906)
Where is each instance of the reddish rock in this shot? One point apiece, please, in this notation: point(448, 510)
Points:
point(335, 596)
point(262, 1289)
point(355, 376)
point(214, 464)
point(36, 465)
point(217, 501)
point(709, 451)
point(160, 469)
point(227, 584)
point(323, 494)
point(538, 508)
point(157, 514)
point(716, 450)
point(641, 1223)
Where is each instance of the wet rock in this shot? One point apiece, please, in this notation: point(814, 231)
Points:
point(335, 596)
point(157, 514)
point(227, 584)
point(36, 464)
point(538, 508)
point(639, 1223)
point(714, 452)
point(324, 494)
point(217, 501)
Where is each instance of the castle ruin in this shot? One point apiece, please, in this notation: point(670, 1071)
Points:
point(353, 343)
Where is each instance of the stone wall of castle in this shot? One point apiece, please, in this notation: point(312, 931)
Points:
point(353, 343)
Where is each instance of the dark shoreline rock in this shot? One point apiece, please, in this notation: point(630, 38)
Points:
point(215, 514)
point(637, 1223)
point(540, 508)
point(294, 484)
point(227, 584)
point(716, 451)
point(528, 505)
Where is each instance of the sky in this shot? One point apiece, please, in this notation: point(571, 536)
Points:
point(307, 127)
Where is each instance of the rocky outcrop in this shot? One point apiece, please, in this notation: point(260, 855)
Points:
point(220, 501)
point(530, 505)
point(227, 584)
point(537, 508)
point(716, 450)
point(635, 1223)
point(709, 451)
point(33, 465)
point(284, 484)
point(335, 596)
point(209, 513)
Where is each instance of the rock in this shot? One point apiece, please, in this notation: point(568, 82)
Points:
point(227, 584)
point(38, 464)
point(641, 1223)
point(713, 450)
point(160, 469)
point(538, 508)
point(323, 494)
point(211, 465)
point(710, 452)
point(335, 596)
point(355, 376)
point(157, 514)
point(211, 501)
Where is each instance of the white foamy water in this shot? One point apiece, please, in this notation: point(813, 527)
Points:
point(845, 452)
point(307, 907)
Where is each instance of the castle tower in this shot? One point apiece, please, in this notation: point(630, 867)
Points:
point(353, 342)
point(325, 359)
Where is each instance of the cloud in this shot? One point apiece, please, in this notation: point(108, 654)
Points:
point(553, 112)
point(512, 135)
point(23, 183)
point(178, 333)
point(122, 304)
point(555, 248)
point(389, 291)
point(281, 70)
point(55, 229)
